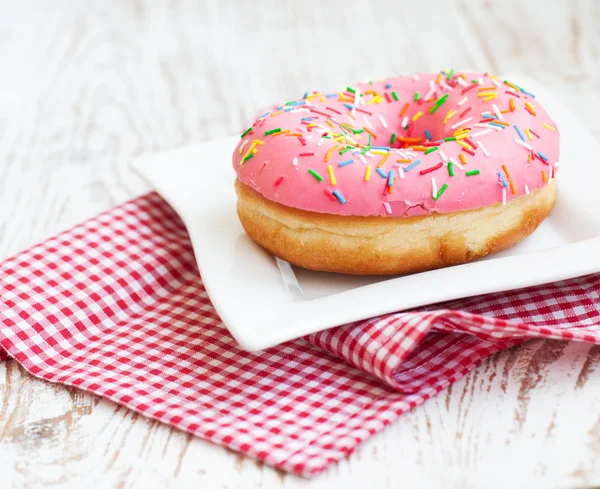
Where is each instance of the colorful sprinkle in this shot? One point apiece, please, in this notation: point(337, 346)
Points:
point(331, 175)
point(431, 150)
point(383, 160)
point(449, 115)
point(529, 136)
point(242, 146)
point(371, 134)
point(431, 168)
point(315, 174)
point(272, 131)
point(417, 116)
point(525, 145)
point(480, 133)
point(450, 169)
point(482, 147)
point(329, 194)
point(367, 173)
point(472, 173)
point(441, 191)
point(344, 163)
point(510, 182)
point(530, 108)
point(497, 112)
point(382, 174)
point(465, 112)
point(339, 196)
point(502, 179)
point(245, 132)
point(460, 123)
point(438, 104)
point(470, 87)
point(519, 132)
point(329, 152)
point(412, 165)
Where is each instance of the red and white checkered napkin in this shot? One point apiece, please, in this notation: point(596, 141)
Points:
point(116, 306)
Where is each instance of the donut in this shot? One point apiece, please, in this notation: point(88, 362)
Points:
point(398, 175)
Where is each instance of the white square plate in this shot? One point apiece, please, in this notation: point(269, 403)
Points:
point(262, 304)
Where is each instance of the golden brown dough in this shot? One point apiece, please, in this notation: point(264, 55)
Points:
point(389, 245)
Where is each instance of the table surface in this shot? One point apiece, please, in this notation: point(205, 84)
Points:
point(88, 85)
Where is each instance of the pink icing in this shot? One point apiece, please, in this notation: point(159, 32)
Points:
point(279, 168)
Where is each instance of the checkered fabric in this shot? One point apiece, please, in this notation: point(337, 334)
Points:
point(116, 306)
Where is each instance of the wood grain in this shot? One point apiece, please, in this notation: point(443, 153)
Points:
point(87, 85)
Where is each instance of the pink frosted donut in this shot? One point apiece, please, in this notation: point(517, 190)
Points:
point(402, 170)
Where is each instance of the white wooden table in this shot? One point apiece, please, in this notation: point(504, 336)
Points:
point(86, 85)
